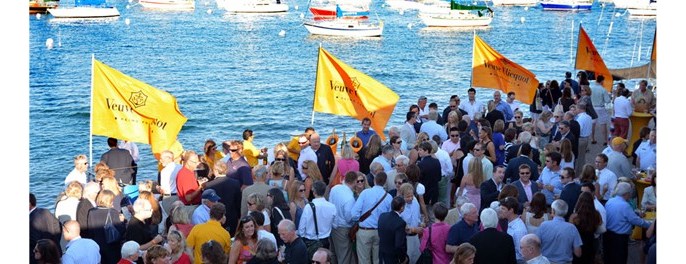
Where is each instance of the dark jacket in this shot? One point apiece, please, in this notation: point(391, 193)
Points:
point(493, 246)
point(229, 192)
point(522, 194)
point(392, 241)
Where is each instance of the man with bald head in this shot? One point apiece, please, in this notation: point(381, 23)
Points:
point(188, 187)
point(325, 158)
point(79, 250)
point(295, 250)
point(530, 246)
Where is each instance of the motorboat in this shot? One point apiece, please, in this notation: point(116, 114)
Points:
point(253, 6)
point(515, 2)
point(85, 9)
point(345, 27)
point(168, 4)
point(567, 5)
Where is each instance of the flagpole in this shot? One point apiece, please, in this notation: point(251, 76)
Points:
point(571, 45)
point(90, 130)
point(471, 76)
point(314, 98)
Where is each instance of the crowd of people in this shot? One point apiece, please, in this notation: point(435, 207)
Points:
point(476, 182)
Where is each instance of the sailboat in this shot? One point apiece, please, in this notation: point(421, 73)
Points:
point(327, 9)
point(457, 15)
point(344, 26)
point(85, 9)
point(40, 6)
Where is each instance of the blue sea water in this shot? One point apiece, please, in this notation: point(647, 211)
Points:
point(234, 72)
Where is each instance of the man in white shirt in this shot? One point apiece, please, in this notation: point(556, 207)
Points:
point(167, 187)
point(79, 171)
point(432, 128)
point(600, 97)
point(386, 158)
point(407, 132)
point(514, 105)
point(515, 226)
point(607, 180)
point(447, 172)
point(423, 109)
point(585, 127)
point(342, 197)
point(325, 212)
point(530, 248)
point(306, 153)
point(472, 106)
point(622, 112)
point(132, 148)
point(647, 153)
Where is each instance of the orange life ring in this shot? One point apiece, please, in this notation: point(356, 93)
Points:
point(356, 143)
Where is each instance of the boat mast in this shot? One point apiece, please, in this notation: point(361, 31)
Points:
point(90, 130)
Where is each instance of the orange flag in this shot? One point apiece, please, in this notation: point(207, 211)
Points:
point(343, 90)
point(490, 69)
point(588, 58)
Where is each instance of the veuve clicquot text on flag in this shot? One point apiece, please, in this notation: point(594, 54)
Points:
point(343, 90)
point(490, 69)
point(126, 108)
point(588, 58)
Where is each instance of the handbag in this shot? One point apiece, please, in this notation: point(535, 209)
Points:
point(112, 235)
point(313, 244)
point(426, 257)
point(352, 233)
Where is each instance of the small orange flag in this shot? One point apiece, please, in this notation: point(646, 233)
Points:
point(490, 69)
point(343, 90)
point(588, 58)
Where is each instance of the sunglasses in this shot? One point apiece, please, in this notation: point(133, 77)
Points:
point(304, 168)
point(246, 219)
point(250, 204)
point(233, 150)
point(397, 142)
point(400, 182)
point(454, 135)
point(301, 190)
point(524, 173)
point(360, 181)
point(518, 117)
point(302, 143)
point(477, 149)
point(280, 159)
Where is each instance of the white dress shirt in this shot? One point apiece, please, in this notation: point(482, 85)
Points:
point(432, 128)
point(305, 154)
point(408, 135)
point(132, 148)
point(326, 212)
point(622, 107)
point(446, 163)
point(385, 163)
point(343, 198)
point(168, 177)
point(607, 178)
point(472, 107)
point(76, 175)
point(585, 124)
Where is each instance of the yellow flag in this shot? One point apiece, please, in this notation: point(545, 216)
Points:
point(126, 108)
point(490, 69)
point(588, 58)
point(343, 90)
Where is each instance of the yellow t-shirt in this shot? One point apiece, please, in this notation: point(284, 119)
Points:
point(250, 152)
point(200, 234)
point(294, 146)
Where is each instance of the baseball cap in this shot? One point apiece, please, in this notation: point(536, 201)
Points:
point(618, 140)
point(211, 195)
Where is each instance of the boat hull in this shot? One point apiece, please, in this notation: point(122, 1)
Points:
point(41, 8)
point(329, 12)
point(168, 4)
point(344, 28)
point(566, 7)
point(637, 12)
point(515, 2)
point(257, 8)
point(84, 12)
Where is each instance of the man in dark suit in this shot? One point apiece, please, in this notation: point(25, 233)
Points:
point(570, 191)
point(512, 171)
point(42, 225)
point(492, 246)
point(525, 185)
point(430, 169)
point(512, 152)
point(564, 131)
point(229, 192)
point(490, 189)
point(392, 241)
point(120, 161)
point(325, 158)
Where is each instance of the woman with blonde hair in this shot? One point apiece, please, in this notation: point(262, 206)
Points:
point(361, 184)
point(543, 127)
point(529, 127)
point(281, 154)
point(258, 203)
point(471, 183)
point(297, 200)
point(486, 139)
point(464, 254)
point(344, 164)
point(105, 213)
point(276, 179)
point(157, 255)
point(414, 154)
point(65, 209)
point(313, 174)
point(177, 245)
point(181, 220)
point(454, 118)
point(110, 183)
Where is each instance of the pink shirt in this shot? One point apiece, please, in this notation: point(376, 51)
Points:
point(527, 190)
point(439, 235)
point(346, 165)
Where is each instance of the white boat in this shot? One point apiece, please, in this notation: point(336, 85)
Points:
point(404, 4)
point(168, 4)
point(253, 6)
point(456, 15)
point(515, 2)
point(85, 9)
point(567, 5)
point(327, 9)
point(345, 28)
point(647, 9)
point(625, 4)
